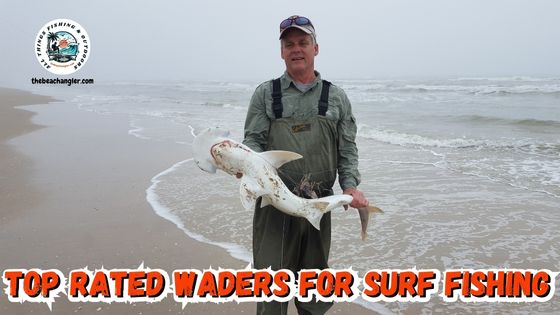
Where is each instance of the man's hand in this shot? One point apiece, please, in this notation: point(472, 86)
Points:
point(359, 201)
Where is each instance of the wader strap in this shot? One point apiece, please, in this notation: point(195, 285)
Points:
point(324, 100)
point(277, 98)
point(277, 107)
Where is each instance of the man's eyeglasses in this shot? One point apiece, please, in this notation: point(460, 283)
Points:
point(298, 20)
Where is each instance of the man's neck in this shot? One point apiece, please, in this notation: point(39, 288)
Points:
point(303, 77)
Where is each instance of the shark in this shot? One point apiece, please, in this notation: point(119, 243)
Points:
point(213, 149)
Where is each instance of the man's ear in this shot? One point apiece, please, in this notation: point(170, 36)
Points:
point(316, 49)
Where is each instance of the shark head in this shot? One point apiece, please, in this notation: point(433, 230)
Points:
point(202, 146)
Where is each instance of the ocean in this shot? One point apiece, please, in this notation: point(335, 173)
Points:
point(467, 171)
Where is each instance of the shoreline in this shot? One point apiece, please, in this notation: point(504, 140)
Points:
point(81, 187)
point(16, 121)
point(234, 250)
point(14, 166)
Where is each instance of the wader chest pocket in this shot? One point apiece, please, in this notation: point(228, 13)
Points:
point(301, 128)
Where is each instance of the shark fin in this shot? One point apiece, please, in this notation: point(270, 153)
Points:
point(315, 219)
point(279, 158)
point(373, 209)
point(265, 201)
point(249, 190)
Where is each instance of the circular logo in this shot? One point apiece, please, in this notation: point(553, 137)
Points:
point(62, 46)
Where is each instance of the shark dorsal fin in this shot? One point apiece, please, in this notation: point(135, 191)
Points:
point(279, 158)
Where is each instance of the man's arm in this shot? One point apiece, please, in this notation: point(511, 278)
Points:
point(348, 175)
point(257, 123)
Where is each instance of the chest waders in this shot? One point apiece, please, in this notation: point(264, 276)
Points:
point(281, 241)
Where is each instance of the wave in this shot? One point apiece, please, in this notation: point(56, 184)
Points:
point(526, 146)
point(405, 139)
point(136, 130)
point(530, 122)
point(470, 87)
point(224, 105)
point(501, 79)
point(235, 250)
point(235, 107)
point(479, 89)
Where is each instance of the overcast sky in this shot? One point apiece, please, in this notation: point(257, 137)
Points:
point(238, 40)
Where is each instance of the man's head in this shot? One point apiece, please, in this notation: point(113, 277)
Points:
point(298, 44)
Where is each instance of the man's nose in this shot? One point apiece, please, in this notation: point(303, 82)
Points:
point(297, 48)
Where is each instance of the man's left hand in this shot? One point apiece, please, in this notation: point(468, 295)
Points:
point(359, 201)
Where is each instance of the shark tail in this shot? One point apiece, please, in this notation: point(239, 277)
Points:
point(364, 218)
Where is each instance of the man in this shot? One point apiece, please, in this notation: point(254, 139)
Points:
point(299, 112)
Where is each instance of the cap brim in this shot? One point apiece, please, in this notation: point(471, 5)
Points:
point(304, 29)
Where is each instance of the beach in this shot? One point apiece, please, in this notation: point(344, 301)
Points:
point(467, 171)
point(455, 107)
point(73, 195)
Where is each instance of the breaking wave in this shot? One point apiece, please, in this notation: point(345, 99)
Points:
point(474, 86)
point(404, 139)
point(505, 121)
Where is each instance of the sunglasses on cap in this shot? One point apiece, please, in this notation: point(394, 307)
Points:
point(297, 20)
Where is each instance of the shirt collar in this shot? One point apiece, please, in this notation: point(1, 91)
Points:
point(286, 80)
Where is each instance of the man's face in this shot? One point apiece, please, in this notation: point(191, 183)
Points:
point(298, 51)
